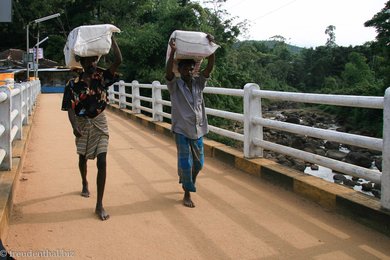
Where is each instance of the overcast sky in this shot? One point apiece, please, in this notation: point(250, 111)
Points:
point(303, 22)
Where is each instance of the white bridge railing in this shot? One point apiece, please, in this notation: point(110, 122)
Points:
point(254, 124)
point(16, 104)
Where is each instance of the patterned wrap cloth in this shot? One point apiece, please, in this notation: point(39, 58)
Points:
point(89, 103)
point(190, 155)
point(94, 139)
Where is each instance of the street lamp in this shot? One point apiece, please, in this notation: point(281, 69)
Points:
point(36, 47)
point(41, 41)
point(28, 44)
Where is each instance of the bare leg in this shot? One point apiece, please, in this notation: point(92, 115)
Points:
point(83, 173)
point(101, 182)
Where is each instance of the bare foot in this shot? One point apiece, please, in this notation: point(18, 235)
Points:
point(85, 191)
point(101, 213)
point(187, 200)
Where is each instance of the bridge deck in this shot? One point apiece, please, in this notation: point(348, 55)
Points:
point(237, 215)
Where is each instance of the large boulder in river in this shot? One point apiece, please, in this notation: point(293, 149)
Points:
point(331, 145)
point(293, 119)
point(336, 154)
point(378, 163)
point(359, 159)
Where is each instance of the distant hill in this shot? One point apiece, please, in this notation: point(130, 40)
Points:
point(292, 48)
point(271, 44)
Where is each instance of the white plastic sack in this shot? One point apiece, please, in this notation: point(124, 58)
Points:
point(88, 40)
point(191, 45)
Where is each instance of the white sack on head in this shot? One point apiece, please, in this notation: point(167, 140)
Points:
point(88, 40)
point(191, 45)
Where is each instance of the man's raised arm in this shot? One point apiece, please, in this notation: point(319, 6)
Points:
point(169, 75)
point(210, 60)
point(117, 56)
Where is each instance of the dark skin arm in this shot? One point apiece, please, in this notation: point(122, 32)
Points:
point(72, 120)
point(169, 75)
point(210, 65)
point(117, 54)
point(210, 60)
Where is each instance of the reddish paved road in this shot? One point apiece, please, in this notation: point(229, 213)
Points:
point(236, 217)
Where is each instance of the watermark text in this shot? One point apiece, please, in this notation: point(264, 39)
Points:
point(39, 253)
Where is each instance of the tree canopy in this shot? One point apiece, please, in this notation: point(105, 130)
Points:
point(147, 24)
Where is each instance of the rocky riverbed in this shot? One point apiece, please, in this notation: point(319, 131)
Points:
point(319, 119)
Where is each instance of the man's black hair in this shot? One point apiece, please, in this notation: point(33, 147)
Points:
point(181, 63)
point(79, 58)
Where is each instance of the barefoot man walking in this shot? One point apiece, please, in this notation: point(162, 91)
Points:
point(189, 121)
point(85, 99)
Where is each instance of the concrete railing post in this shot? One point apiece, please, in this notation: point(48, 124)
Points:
point(30, 100)
point(37, 91)
point(111, 94)
point(24, 102)
point(33, 89)
point(156, 97)
point(136, 101)
point(9, 83)
point(385, 178)
point(5, 121)
point(252, 108)
point(122, 92)
point(17, 105)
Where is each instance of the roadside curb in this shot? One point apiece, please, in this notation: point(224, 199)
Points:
point(360, 207)
point(9, 179)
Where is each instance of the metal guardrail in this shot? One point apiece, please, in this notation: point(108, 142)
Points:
point(254, 124)
point(16, 104)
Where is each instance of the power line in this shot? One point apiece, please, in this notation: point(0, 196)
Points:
point(273, 11)
point(234, 5)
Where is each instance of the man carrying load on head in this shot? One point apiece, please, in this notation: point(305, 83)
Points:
point(189, 121)
point(85, 99)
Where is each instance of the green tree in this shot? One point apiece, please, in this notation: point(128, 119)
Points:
point(357, 72)
point(381, 22)
point(330, 31)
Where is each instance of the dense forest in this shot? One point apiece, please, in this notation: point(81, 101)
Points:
point(147, 24)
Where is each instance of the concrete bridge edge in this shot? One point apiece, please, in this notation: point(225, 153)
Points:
point(358, 206)
point(9, 179)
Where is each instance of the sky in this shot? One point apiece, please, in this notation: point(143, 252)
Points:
point(303, 22)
